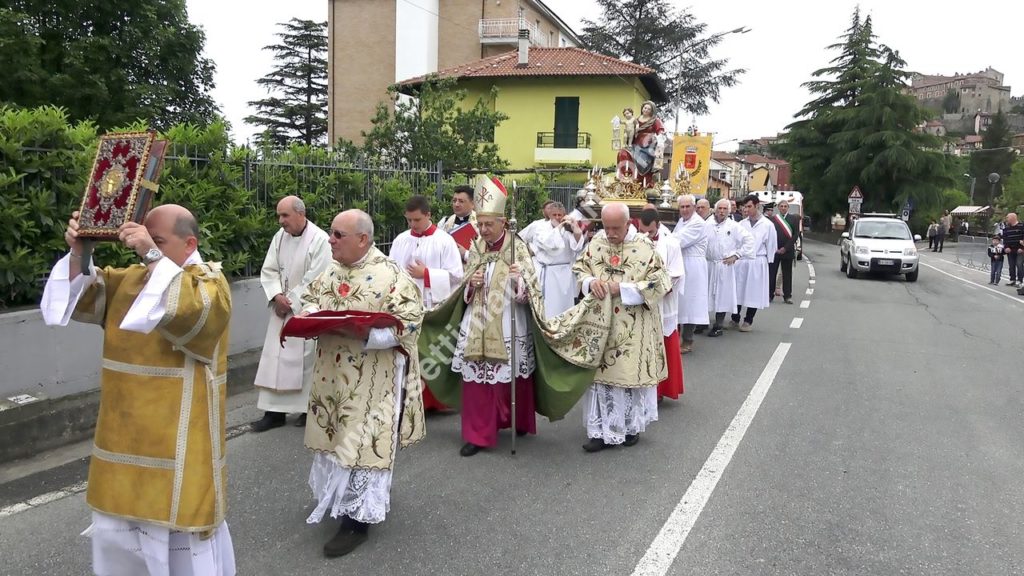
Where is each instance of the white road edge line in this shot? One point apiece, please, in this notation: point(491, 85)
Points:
point(811, 281)
point(805, 304)
point(796, 323)
point(975, 284)
point(666, 545)
point(44, 499)
point(810, 291)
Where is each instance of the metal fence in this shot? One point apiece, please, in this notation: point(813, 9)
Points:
point(972, 251)
point(323, 178)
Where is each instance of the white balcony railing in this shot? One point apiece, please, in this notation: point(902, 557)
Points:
point(506, 31)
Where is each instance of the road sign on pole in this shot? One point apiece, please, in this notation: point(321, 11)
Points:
point(905, 215)
point(855, 193)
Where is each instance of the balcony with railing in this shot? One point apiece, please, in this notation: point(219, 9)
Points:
point(506, 31)
point(562, 148)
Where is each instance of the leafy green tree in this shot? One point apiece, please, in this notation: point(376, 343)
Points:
point(437, 124)
point(671, 41)
point(112, 61)
point(861, 130)
point(296, 111)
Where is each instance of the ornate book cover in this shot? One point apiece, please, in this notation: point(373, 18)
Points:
point(122, 183)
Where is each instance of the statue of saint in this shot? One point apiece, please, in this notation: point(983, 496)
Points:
point(637, 158)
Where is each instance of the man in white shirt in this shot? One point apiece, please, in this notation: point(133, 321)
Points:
point(728, 242)
point(752, 273)
point(692, 233)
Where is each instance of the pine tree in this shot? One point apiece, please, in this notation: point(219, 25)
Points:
point(862, 129)
point(296, 111)
point(654, 34)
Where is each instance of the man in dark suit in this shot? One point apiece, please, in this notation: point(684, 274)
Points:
point(787, 230)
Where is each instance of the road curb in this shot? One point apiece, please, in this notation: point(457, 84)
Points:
point(33, 428)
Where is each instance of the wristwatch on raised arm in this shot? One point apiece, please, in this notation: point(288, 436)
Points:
point(152, 256)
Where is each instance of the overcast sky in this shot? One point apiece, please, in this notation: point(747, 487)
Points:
point(786, 43)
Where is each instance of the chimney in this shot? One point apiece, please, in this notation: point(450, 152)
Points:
point(524, 48)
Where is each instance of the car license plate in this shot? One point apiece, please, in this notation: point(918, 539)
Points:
point(885, 262)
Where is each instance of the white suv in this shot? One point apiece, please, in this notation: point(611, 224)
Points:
point(881, 245)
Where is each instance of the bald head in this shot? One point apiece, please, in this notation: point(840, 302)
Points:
point(174, 230)
point(351, 236)
point(615, 219)
point(1011, 218)
point(291, 215)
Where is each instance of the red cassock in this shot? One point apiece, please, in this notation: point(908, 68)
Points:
point(673, 385)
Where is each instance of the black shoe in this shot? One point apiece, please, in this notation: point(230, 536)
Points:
point(269, 420)
point(631, 439)
point(345, 541)
point(788, 300)
point(300, 422)
point(699, 329)
point(594, 445)
point(715, 332)
point(469, 449)
point(521, 433)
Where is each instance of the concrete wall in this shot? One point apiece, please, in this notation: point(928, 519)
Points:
point(48, 362)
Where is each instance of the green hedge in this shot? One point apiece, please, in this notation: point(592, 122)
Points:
point(44, 164)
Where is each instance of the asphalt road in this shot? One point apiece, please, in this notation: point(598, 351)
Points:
point(888, 442)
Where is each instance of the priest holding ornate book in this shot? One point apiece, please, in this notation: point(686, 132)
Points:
point(365, 400)
point(158, 470)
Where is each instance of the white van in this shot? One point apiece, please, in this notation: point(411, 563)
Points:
point(796, 206)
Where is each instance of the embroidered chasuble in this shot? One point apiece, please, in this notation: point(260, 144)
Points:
point(568, 348)
point(352, 403)
point(159, 453)
point(634, 353)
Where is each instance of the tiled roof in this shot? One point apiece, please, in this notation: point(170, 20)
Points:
point(550, 62)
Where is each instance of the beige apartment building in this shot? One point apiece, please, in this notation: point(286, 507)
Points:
point(373, 44)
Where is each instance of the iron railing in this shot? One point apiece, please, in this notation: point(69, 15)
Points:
point(563, 140)
point(507, 30)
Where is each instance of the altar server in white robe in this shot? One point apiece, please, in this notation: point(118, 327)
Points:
point(668, 248)
point(529, 233)
point(432, 259)
point(427, 253)
point(298, 253)
point(752, 273)
point(556, 246)
point(692, 233)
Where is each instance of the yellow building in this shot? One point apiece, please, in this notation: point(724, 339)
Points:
point(560, 102)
